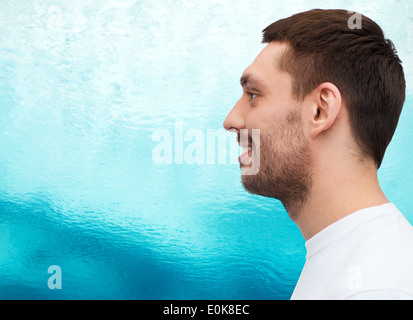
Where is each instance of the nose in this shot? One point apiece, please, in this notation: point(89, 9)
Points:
point(235, 119)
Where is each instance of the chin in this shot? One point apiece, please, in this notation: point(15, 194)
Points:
point(252, 184)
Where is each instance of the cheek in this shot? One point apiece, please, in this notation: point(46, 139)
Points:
point(262, 117)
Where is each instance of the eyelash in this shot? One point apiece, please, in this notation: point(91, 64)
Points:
point(252, 94)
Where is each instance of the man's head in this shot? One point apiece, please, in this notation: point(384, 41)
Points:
point(318, 85)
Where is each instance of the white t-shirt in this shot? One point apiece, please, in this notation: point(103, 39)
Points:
point(365, 255)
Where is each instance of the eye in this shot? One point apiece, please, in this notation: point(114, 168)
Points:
point(252, 95)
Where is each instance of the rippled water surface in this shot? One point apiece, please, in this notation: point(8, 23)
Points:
point(83, 87)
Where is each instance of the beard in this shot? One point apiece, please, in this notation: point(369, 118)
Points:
point(285, 165)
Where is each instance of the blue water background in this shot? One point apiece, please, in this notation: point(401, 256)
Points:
point(83, 86)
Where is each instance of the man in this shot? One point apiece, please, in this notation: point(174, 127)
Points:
point(327, 99)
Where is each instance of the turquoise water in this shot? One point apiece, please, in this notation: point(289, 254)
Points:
point(83, 88)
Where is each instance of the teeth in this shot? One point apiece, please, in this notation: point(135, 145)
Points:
point(245, 149)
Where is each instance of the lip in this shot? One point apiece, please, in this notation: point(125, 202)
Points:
point(244, 145)
point(246, 155)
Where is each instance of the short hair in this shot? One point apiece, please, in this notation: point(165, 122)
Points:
point(362, 63)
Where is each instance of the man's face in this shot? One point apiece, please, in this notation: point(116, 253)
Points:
point(284, 153)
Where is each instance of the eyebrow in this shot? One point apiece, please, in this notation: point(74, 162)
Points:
point(250, 80)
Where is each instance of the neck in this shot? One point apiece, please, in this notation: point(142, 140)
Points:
point(337, 191)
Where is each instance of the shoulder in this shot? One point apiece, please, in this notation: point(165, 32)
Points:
point(383, 294)
point(384, 256)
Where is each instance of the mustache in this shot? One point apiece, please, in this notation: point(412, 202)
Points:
point(244, 137)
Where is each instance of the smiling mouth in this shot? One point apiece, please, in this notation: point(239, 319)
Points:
point(246, 142)
point(245, 158)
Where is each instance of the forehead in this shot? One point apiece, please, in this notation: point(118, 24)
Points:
point(264, 67)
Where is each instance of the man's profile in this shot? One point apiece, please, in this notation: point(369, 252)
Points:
point(327, 99)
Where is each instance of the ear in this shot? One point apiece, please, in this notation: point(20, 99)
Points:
point(326, 105)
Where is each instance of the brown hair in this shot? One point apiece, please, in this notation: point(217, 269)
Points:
point(360, 62)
